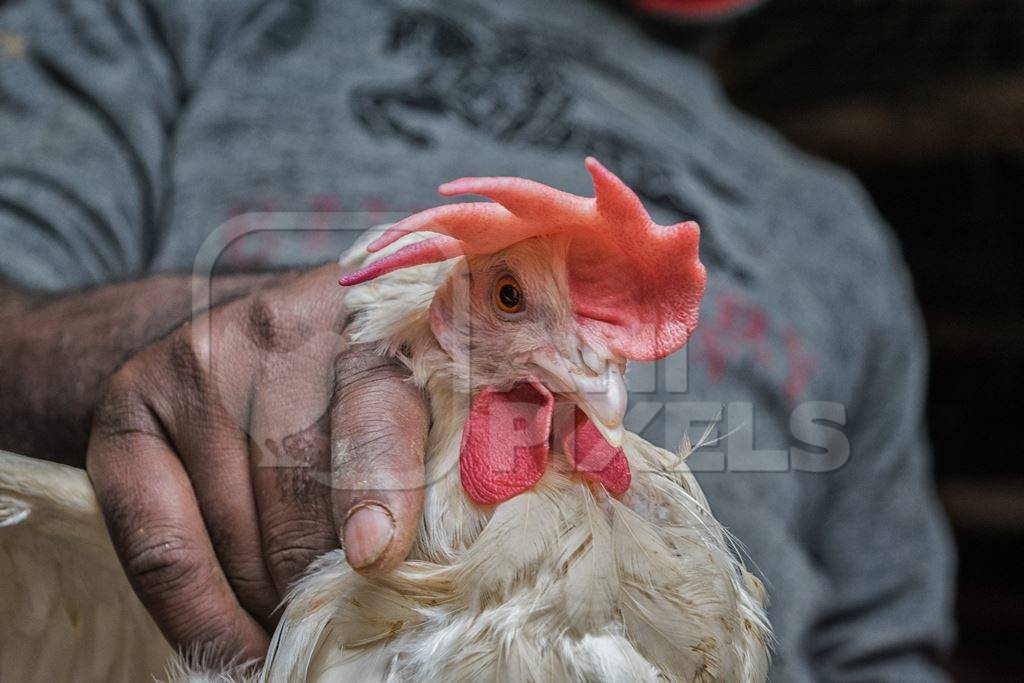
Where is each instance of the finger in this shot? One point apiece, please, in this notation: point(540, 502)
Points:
point(379, 425)
point(205, 422)
point(216, 456)
point(154, 523)
point(290, 468)
point(289, 462)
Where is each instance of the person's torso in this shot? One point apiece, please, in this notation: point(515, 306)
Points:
point(316, 117)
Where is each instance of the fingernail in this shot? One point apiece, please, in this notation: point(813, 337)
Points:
point(369, 529)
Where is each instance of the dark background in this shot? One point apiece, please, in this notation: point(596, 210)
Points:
point(924, 101)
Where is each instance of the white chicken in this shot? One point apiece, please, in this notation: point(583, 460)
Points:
point(554, 545)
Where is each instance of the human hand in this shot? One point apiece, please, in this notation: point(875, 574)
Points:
point(231, 453)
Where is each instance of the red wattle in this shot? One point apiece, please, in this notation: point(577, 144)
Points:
point(505, 442)
point(593, 457)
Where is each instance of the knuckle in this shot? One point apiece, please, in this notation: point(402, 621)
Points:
point(291, 545)
point(150, 388)
point(165, 564)
point(371, 433)
point(209, 628)
point(291, 560)
point(249, 579)
point(369, 457)
point(360, 367)
point(123, 408)
point(372, 384)
point(185, 362)
point(383, 419)
point(291, 534)
point(273, 325)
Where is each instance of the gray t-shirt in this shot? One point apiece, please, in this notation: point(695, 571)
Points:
point(137, 137)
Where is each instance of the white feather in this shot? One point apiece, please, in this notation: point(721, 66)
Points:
point(67, 612)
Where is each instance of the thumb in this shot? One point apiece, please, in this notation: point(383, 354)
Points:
point(379, 425)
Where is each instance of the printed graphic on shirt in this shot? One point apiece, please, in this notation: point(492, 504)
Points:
point(523, 85)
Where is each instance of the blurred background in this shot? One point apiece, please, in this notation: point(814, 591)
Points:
point(924, 101)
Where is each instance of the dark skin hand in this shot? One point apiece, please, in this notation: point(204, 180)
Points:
point(236, 448)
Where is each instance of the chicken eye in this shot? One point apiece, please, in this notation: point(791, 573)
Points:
point(508, 297)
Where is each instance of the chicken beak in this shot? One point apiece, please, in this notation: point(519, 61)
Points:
point(603, 399)
point(595, 385)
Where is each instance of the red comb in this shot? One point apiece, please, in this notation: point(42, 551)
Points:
point(636, 286)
